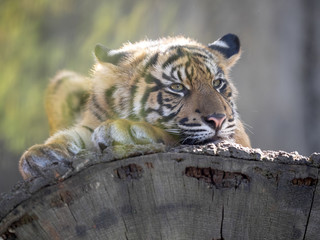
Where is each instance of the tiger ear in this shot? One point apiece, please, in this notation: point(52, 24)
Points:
point(105, 55)
point(229, 47)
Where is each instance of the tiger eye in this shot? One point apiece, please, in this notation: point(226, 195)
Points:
point(177, 87)
point(217, 83)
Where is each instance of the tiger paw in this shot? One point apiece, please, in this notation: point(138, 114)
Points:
point(126, 132)
point(45, 160)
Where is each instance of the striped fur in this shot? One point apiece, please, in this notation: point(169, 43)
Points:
point(168, 91)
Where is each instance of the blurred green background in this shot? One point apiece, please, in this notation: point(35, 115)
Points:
point(278, 76)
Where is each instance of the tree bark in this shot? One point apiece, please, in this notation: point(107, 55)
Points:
point(190, 192)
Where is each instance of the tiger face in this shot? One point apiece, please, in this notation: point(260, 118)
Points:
point(174, 83)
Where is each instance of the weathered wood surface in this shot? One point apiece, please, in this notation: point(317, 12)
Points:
point(196, 192)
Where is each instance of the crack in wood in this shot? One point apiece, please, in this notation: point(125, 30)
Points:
point(217, 178)
point(311, 206)
point(309, 182)
point(61, 199)
point(149, 165)
point(131, 171)
point(221, 227)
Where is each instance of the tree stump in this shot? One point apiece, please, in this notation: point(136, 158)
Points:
point(191, 192)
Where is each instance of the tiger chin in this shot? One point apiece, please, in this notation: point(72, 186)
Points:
point(171, 91)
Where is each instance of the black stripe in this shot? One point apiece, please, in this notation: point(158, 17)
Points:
point(172, 71)
point(170, 60)
point(169, 106)
point(192, 72)
point(96, 104)
point(208, 53)
point(174, 57)
point(57, 84)
point(201, 50)
point(109, 95)
point(133, 91)
point(208, 69)
point(160, 112)
point(200, 69)
point(192, 125)
point(187, 65)
point(110, 99)
point(199, 55)
point(88, 128)
point(196, 130)
point(82, 143)
point(96, 115)
point(172, 106)
point(194, 49)
point(220, 71)
point(184, 120)
point(159, 98)
point(166, 77)
point(133, 117)
point(152, 61)
point(149, 79)
point(170, 116)
point(144, 99)
point(179, 75)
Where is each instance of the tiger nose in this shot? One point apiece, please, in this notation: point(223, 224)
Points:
point(216, 120)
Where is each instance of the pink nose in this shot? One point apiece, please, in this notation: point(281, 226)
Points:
point(216, 119)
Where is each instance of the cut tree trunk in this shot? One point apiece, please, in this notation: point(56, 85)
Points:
point(194, 192)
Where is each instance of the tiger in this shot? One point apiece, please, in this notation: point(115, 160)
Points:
point(170, 91)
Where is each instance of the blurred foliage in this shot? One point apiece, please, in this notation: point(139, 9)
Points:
point(38, 38)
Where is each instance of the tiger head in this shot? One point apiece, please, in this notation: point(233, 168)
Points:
point(175, 83)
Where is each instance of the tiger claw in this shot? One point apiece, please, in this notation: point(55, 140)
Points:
point(43, 160)
point(102, 146)
point(100, 138)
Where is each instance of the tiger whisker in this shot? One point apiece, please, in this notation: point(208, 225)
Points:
point(248, 127)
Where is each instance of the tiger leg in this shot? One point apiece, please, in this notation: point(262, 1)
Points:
point(53, 158)
point(126, 132)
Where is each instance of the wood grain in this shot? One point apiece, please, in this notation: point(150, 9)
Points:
point(181, 194)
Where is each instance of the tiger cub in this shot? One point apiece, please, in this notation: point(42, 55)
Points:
point(171, 91)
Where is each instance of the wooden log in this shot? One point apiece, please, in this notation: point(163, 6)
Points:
point(190, 192)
